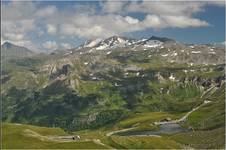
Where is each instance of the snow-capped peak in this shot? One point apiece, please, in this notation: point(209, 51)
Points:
point(119, 41)
point(114, 41)
point(92, 43)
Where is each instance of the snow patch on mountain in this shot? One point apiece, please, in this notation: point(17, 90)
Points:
point(172, 78)
point(152, 43)
point(109, 52)
point(164, 55)
point(195, 52)
point(113, 42)
point(212, 52)
point(101, 47)
point(118, 41)
point(92, 43)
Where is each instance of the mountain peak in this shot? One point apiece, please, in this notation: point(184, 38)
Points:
point(91, 43)
point(10, 50)
point(114, 41)
point(7, 45)
point(161, 39)
point(118, 37)
point(121, 41)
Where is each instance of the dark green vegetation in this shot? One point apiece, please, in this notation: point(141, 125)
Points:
point(97, 92)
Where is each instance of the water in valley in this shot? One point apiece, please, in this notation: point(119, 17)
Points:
point(169, 128)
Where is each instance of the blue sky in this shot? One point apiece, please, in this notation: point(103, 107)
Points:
point(47, 26)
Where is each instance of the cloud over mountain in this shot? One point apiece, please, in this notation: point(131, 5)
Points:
point(25, 21)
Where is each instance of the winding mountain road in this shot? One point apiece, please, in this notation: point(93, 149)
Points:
point(182, 118)
point(163, 122)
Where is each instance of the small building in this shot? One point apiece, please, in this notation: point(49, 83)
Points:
point(166, 119)
point(76, 137)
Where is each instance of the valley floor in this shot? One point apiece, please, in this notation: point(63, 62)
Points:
point(26, 136)
point(21, 136)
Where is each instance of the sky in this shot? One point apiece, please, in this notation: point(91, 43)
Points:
point(47, 26)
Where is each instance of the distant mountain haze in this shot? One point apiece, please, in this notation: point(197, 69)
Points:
point(9, 50)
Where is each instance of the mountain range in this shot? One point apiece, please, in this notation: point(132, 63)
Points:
point(116, 83)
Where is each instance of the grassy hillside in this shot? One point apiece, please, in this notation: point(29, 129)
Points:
point(212, 115)
point(94, 94)
point(146, 143)
point(146, 118)
point(16, 137)
point(212, 139)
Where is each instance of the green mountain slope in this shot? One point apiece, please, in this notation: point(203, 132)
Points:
point(18, 136)
point(118, 88)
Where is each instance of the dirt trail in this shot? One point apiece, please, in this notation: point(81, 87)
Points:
point(60, 139)
point(118, 131)
point(30, 133)
point(98, 141)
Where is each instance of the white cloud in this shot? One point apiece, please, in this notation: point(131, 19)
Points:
point(25, 43)
point(159, 22)
point(183, 22)
point(51, 29)
point(14, 36)
point(17, 17)
point(113, 6)
point(50, 45)
point(2, 40)
point(131, 20)
point(18, 10)
point(47, 11)
point(83, 31)
point(220, 3)
point(158, 15)
point(21, 26)
point(18, 22)
point(153, 21)
point(166, 7)
point(66, 45)
point(25, 21)
point(169, 14)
